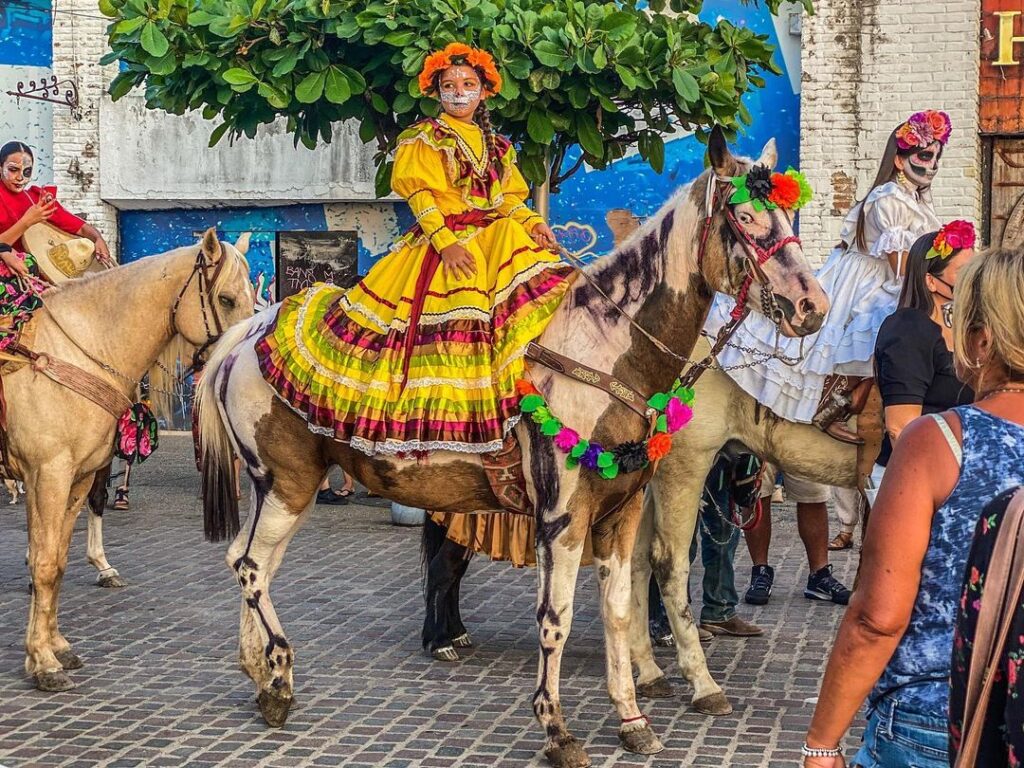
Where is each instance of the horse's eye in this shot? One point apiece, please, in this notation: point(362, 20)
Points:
point(744, 218)
point(227, 302)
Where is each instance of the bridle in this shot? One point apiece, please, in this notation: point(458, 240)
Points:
point(715, 202)
point(201, 271)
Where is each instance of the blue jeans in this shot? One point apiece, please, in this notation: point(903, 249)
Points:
point(900, 738)
point(718, 541)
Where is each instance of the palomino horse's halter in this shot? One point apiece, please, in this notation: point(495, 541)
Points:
point(201, 270)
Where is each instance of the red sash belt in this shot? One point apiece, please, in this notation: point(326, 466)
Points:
point(456, 222)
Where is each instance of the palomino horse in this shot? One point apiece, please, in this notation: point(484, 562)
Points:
point(723, 413)
point(663, 278)
point(111, 326)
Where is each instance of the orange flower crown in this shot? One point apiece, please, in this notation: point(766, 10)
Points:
point(460, 54)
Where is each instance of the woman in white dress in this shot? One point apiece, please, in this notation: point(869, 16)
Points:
point(861, 277)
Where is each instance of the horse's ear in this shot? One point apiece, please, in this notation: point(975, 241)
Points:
point(718, 153)
point(211, 246)
point(242, 244)
point(769, 155)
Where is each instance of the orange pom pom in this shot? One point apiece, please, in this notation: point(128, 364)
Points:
point(524, 387)
point(785, 190)
point(658, 446)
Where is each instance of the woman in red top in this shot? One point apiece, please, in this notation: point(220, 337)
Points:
point(22, 206)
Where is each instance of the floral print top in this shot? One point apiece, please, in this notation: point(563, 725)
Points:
point(993, 461)
point(1002, 737)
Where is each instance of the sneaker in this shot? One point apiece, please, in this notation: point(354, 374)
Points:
point(332, 497)
point(761, 579)
point(734, 626)
point(822, 585)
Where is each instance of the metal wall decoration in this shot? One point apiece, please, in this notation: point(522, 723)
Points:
point(64, 92)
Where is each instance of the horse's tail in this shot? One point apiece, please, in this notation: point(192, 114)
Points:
point(220, 505)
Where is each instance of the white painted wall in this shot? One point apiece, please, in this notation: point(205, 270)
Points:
point(27, 120)
point(866, 67)
point(153, 159)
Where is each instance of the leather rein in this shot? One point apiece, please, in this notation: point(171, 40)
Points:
point(716, 201)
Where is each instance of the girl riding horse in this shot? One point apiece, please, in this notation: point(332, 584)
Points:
point(424, 352)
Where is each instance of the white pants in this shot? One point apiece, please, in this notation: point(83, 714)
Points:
point(847, 508)
point(877, 472)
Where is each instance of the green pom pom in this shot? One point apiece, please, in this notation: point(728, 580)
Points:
point(571, 462)
point(579, 449)
point(551, 427)
point(610, 473)
point(531, 403)
point(661, 425)
point(541, 415)
point(605, 459)
point(806, 192)
point(659, 401)
point(685, 394)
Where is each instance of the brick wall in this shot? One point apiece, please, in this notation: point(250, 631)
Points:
point(79, 41)
point(866, 66)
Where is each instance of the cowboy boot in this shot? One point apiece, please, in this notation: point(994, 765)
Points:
point(842, 397)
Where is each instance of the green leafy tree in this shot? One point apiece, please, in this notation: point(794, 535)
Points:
point(603, 76)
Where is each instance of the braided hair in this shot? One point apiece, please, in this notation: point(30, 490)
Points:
point(483, 119)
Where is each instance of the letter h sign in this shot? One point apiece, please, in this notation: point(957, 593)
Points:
point(1007, 39)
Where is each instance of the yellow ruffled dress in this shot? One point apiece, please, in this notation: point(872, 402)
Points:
point(359, 367)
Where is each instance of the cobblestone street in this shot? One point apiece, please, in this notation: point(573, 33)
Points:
point(162, 686)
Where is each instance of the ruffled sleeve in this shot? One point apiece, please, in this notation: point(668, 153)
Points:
point(893, 219)
point(515, 191)
point(419, 177)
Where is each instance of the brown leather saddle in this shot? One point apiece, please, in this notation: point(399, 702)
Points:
point(504, 471)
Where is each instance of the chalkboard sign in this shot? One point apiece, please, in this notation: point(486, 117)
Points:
point(304, 258)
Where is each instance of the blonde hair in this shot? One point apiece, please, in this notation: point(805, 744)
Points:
point(990, 295)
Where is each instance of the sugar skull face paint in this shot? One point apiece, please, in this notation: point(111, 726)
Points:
point(922, 166)
point(460, 91)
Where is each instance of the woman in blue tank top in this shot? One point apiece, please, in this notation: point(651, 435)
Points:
point(894, 644)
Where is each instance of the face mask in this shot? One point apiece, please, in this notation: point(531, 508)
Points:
point(459, 101)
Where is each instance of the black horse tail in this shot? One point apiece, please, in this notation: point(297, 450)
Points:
point(217, 455)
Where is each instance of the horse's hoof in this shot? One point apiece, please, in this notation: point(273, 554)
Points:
point(54, 682)
point(658, 688)
point(567, 753)
point(111, 581)
point(462, 641)
point(446, 653)
point(715, 704)
point(641, 741)
point(69, 659)
point(274, 707)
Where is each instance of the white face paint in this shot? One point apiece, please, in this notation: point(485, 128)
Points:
point(460, 100)
point(922, 166)
point(460, 91)
point(17, 171)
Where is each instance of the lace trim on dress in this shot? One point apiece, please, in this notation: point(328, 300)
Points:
point(894, 240)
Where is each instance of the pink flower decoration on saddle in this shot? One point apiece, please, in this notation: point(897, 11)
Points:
point(922, 128)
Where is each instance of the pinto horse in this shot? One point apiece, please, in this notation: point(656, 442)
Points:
point(661, 280)
point(105, 330)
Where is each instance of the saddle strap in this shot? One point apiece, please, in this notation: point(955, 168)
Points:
point(999, 600)
point(584, 373)
point(504, 471)
point(78, 380)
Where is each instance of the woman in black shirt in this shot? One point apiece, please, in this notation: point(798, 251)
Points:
point(913, 358)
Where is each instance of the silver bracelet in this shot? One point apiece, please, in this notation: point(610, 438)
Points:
point(814, 752)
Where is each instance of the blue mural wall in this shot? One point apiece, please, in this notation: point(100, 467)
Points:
point(579, 213)
point(26, 53)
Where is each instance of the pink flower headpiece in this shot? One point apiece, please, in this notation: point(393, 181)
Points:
point(923, 128)
point(954, 236)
